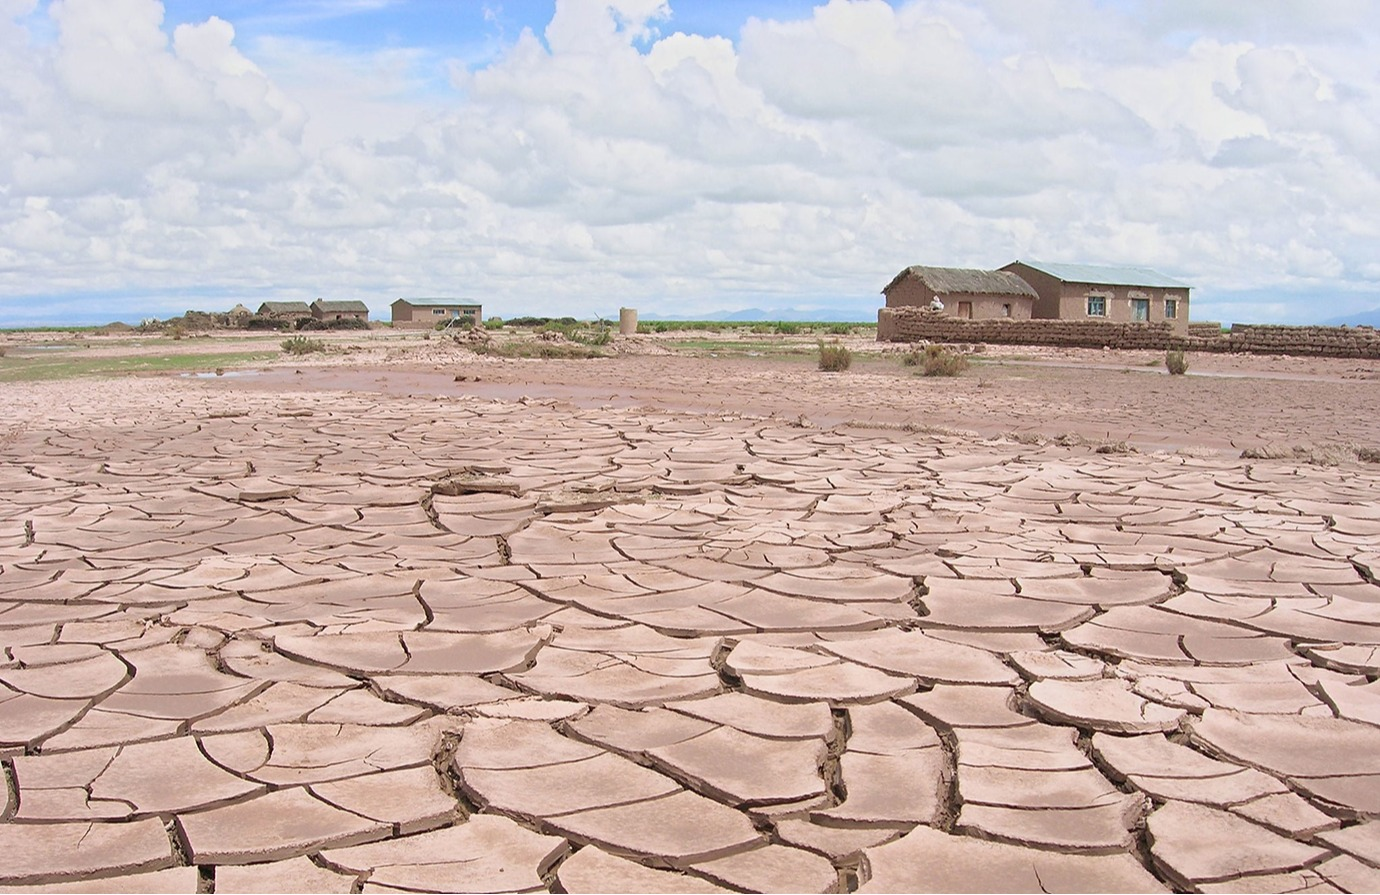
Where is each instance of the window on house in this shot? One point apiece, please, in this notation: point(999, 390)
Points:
point(1140, 309)
point(1097, 306)
point(439, 312)
point(1171, 308)
point(1006, 310)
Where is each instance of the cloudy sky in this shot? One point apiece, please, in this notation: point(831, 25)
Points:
point(679, 156)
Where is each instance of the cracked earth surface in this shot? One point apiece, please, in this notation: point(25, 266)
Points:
point(303, 641)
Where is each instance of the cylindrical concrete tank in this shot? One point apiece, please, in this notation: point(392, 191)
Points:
point(627, 321)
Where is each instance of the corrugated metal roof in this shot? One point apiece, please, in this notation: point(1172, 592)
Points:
point(965, 281)
point(1106, 276)
point(440, 302)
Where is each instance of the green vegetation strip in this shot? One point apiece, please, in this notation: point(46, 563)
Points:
point(780, 327)
point(19, 366)
point(741, 347)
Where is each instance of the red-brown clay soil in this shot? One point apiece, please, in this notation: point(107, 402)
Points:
point(689, 624)
point(1225, 404)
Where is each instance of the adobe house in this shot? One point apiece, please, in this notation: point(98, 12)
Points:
point(425, 313)
point(1094, 292)
point(972, 294)
point(340, 310)
point(284, 310)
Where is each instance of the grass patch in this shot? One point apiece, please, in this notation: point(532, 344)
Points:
point(537, 348)
point(741, 348)
point(37, 369)
point(834, 358)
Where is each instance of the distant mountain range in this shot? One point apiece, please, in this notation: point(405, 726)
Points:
point(812, 315)
point(1365, 318)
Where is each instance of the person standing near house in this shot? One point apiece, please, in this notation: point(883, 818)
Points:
point(936, 304)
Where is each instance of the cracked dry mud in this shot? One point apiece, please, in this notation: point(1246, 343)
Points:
point(325, 642)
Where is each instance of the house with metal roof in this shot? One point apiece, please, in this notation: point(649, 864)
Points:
point(1095, 292)
point(339, 310)
point(960, 292)
point(425, 313)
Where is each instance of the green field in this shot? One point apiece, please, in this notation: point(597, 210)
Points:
point(761, 327)
point(26, 365)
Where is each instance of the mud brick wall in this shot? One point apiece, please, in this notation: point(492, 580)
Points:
point(1205, 329)
point(923, 325)
point(1321, 341)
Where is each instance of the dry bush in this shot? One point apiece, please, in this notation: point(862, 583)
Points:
point(1176, 362)
point(834, 358)
point(303, 345)
point(940, 361)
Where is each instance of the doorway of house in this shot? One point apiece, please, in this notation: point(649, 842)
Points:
point(965, 310)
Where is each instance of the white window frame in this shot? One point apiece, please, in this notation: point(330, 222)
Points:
point(1134, 318)
point(1103, 299)
point(1171, 309)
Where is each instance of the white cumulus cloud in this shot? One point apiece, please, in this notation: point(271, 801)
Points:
point(609, 159)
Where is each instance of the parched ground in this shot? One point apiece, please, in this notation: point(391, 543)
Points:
point(689, 623)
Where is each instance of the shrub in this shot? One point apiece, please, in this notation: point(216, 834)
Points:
point(834, 358)
point(493, 323)
point(1176, 362)
point(839, 329)
point(940, 361)
point(303, 345)
point(257, 322)
point(788, 329)
point(311, 323)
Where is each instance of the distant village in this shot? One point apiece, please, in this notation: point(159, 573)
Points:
point(1023, 303)
point(407, 313)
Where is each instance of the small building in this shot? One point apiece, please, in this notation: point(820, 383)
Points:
point(425, 313)
point(972, 294)
point(1094, 292)
point(340, 310)
point(284, 310)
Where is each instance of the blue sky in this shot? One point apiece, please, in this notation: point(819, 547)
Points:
point(680, 156)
